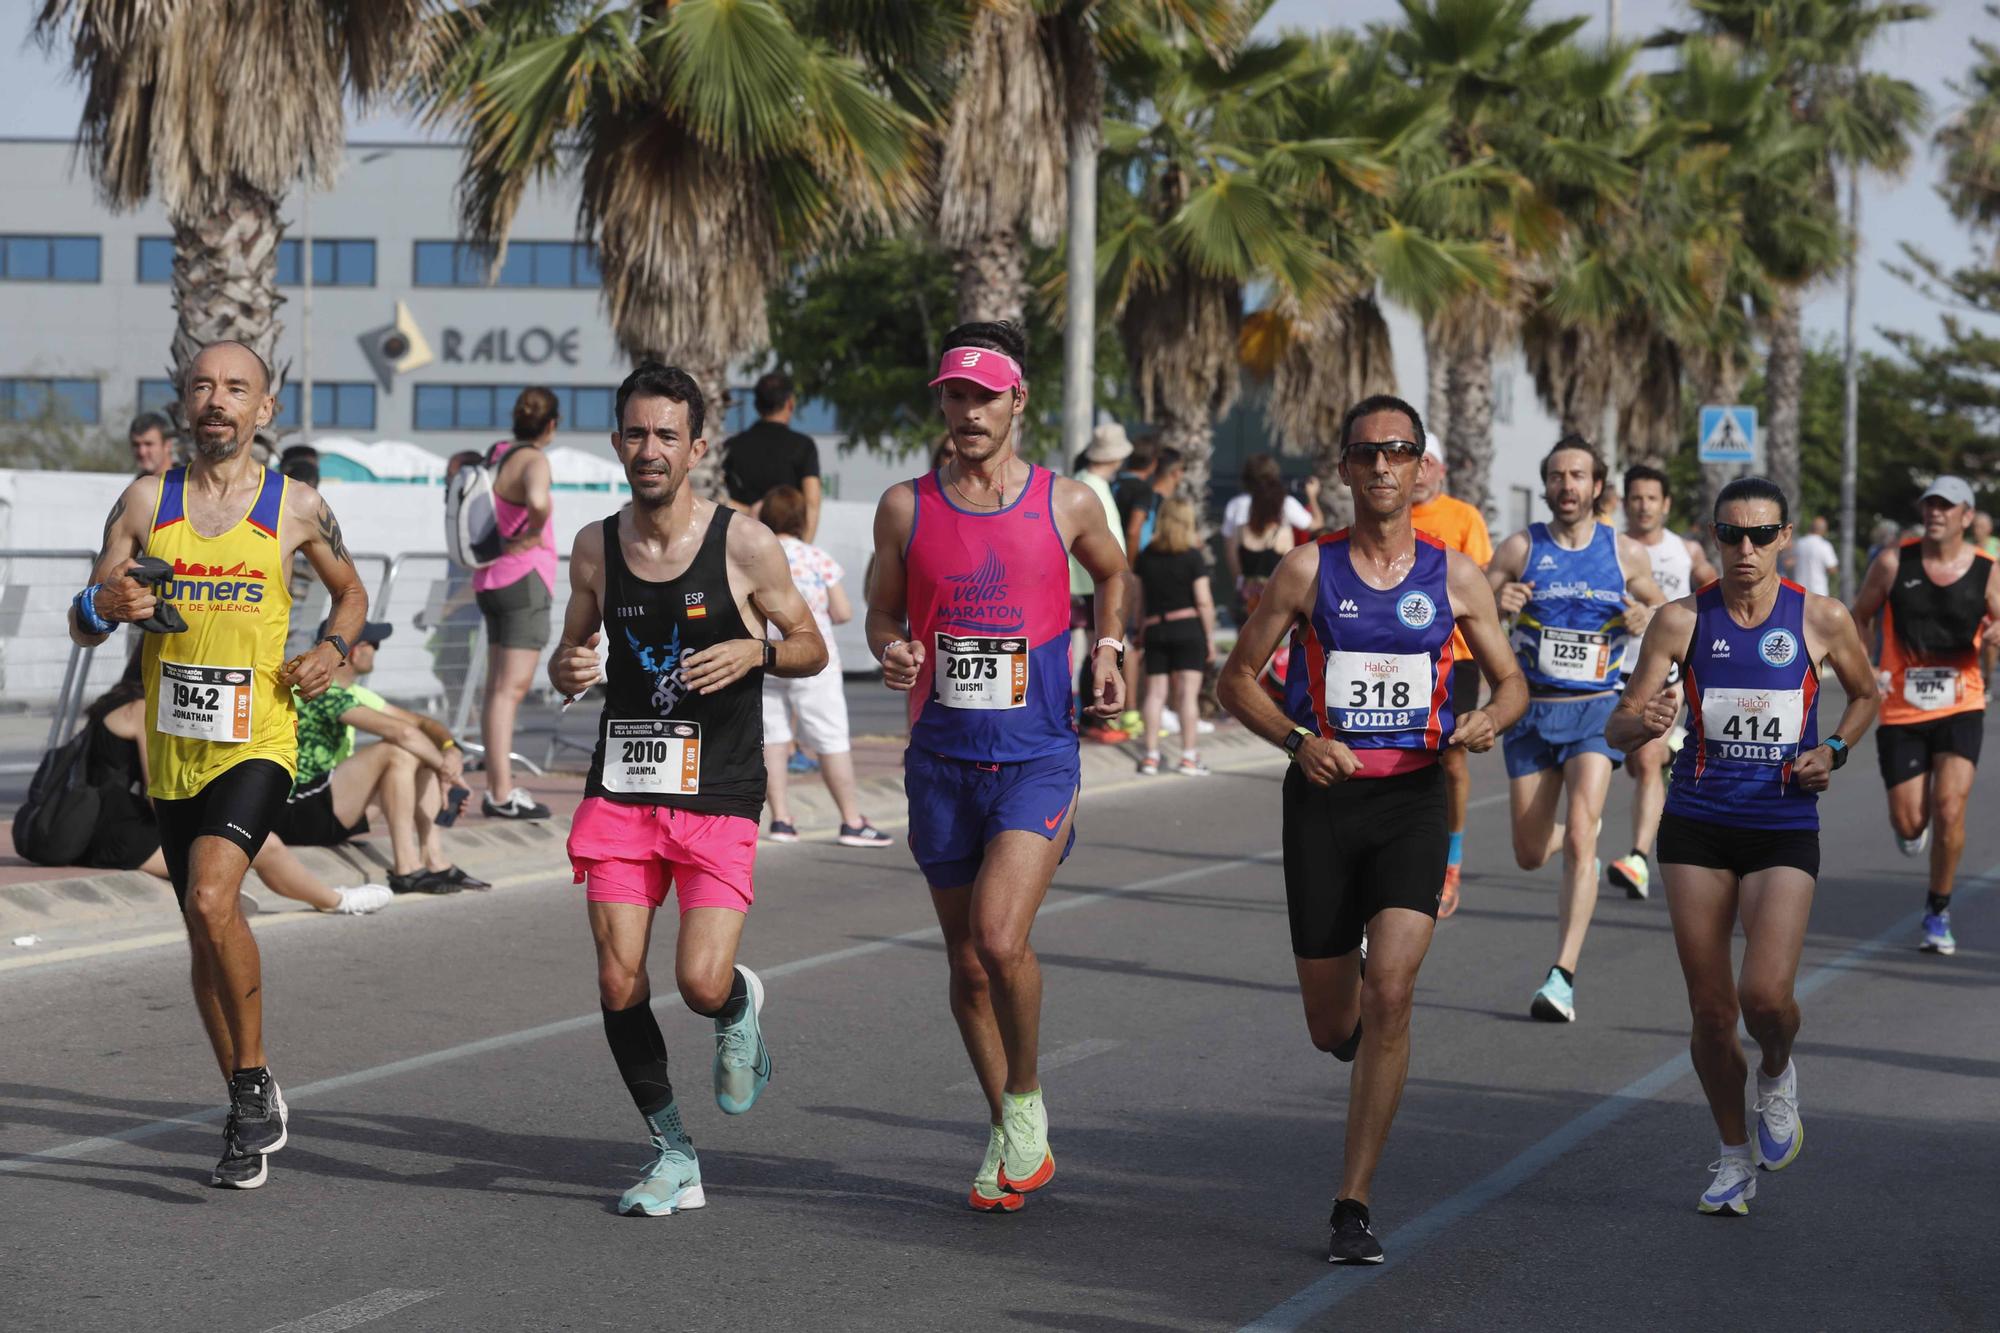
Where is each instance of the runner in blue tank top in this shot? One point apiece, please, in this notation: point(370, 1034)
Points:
point(1371, 611)
point(1741, 827)
point(1578, 590)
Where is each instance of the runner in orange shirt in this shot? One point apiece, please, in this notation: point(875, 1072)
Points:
point(1461, 527)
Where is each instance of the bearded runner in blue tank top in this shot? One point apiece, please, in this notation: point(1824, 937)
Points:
point(684, 589)
point(969, 612)
point(1371, 610)
point(1740, 836)
point(1577, 590)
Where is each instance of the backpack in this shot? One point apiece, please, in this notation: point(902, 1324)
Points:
point(471, 523)
point(54, 825)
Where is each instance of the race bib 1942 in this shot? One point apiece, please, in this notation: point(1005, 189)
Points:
point(1575, 654)
point(652, 757)
point(1754, 726)
point(1378, 691)
point(205, 703)
point(981, 673)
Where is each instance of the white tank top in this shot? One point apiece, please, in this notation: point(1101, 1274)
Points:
point(1673, 570)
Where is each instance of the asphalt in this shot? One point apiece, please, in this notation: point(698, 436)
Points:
point(459, 1134)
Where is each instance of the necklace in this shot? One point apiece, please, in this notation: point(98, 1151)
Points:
point(981, 504)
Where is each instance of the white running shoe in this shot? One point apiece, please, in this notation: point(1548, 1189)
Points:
point(1735, 1184)
point(1170, 722)
point(1916, 846)
point(1780, 1133)
point(1192, 767)
point(362, 899)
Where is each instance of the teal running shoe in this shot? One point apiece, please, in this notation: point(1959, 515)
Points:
point(672, 1184)
point(1555, 1002)
point(742, 1060)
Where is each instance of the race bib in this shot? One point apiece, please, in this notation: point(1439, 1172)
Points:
point(1930, 688)
point(981, 673)
point(652, 757)
point(1378, 691)
point(1576, 654)
point(204, 703)
point(1755, 726)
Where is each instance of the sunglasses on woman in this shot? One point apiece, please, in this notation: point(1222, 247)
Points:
point(1763, 534)
point(1366, 452)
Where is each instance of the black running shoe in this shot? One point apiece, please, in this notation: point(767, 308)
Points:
point(257, 1114)
point(454, 875)
point(423, 881)
point(1351, 1241)
point(239, 1170)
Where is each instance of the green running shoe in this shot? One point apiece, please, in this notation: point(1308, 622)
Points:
point(987, 1196)
point(672, 1184)
point(742, 1061)
point(1026, 1164)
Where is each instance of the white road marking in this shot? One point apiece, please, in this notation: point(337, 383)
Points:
point(358, 1311)
point(1056, 1059)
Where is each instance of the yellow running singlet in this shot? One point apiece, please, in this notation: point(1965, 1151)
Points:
point(212, 693)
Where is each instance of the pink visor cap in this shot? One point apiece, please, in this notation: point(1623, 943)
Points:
point(982, 365)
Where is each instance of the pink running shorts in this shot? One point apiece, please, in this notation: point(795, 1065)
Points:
point(637, 853)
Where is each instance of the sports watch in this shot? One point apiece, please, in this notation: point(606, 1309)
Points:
point(770, 655)
point(1296, 738)
point(339, 644)
point(1839, 748)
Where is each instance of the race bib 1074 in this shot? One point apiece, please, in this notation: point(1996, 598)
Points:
point(1930, 688)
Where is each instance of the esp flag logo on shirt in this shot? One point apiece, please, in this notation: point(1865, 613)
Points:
point(695, 609)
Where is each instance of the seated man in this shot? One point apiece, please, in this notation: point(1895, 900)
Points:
point(417, 763)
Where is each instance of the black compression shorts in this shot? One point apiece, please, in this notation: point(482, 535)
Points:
point(239, 804)
point(1357, 847)
point(1905, 750)
point(1741, 851)
point(307, 818)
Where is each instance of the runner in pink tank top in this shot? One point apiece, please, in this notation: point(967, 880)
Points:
point(969, 612)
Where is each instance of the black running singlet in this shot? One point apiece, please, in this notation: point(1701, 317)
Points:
point(658, 743)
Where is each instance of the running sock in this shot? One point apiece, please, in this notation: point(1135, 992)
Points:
point(1937, 903)
point(1457, 852)
point(739, 999)
point(1566, 974)
point(1766, 1084)
point(1737, 1149)
point(641, 1054)
point(1639, 854)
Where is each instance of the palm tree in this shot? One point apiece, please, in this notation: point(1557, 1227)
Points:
point(713, 140)
point(218, 109)
point(1971, 141)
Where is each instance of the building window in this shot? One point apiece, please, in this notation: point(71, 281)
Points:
point(28, 398)
point(585, 407)
point(156, 259)
point(336, 406)
point(1524, 507)
point(813, 416)
point(51, 258)
point(548, 264)
point(156, 396)
point(336, 263)
point(1503, 395)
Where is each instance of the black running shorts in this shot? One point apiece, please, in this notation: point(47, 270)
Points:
point(1178, 645)
point(1740, 851)
point(307, 818)
point(239, 804)
point(1357, 847)
point(1905, 750)
point(1464, 688)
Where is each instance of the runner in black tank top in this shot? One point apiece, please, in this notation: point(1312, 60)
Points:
point(680, 590)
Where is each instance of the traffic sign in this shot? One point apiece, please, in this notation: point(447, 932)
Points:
point(1728, 434)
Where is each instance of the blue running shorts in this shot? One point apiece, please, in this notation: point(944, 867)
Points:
point(958, 806)
point(1554, 731)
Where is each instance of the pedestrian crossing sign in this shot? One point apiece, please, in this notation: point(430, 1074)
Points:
point(1728, 434)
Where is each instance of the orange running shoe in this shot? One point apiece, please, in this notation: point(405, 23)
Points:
point(987, 1196)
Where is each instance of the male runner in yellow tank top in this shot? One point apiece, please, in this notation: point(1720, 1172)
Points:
point(219, 716)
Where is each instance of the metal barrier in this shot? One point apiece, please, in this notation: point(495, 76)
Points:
point(44, 677)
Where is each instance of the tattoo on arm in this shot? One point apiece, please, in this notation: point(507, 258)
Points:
point(117, 512)
point(329, 532)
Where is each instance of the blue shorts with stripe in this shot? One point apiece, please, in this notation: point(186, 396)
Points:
point(958, 806)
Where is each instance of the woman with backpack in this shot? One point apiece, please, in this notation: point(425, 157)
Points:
point(1179, 632)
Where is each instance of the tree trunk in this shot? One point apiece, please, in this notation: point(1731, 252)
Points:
point(992, 278)
point(1437, 391)
point(225, 285)
point(1468, 445)
point(1784, 375)
point(1195, 438)
point(713, 377)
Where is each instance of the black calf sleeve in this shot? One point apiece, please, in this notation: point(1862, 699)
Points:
point(641, 1054)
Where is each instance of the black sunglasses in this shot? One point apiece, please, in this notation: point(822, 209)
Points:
point(1399, 451)
point(1731, 534)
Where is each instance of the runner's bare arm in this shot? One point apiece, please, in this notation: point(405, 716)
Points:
point(573, 665)
point(1647, 710)
point(121, 598)
point(1829, 623)
point(1504, 572)
point(1287, 597)
point(888, 615)
point(1478, 618)
point(1080, 513)
point(1699, 570)
point(319, 538)
point(1642, 594)
point(535, 482)
point(1873, 594)
point(755, 554)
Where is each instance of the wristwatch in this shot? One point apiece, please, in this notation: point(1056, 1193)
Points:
point(1839, 748)
point(770, 655)
point(1117, 645)
point(339, 644)
point(1298, 736)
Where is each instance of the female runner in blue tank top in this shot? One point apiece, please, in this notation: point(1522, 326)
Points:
point(1742, 821)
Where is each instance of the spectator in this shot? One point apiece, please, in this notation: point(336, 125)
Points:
point(515, 593)
point(1132, 491)
point(417, 764)
point(1179, 632)
point(771, 454)
point(1982, 534)
point(454, 620)
point(1813, 558)
point(151, 453)
point(1109, 446)
point(128, 838)
point(300, 462)
point(1169, 470)
point(820, 699)
point(1258, 527)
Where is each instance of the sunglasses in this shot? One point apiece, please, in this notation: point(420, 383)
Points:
point(1398, 451)
point(1731, 534)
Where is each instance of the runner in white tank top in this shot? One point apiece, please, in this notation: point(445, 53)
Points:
point(1680, 567)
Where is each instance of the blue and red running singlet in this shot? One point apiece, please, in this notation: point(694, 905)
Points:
point(1372, 666)
point(1753, 709)
point(988, 598)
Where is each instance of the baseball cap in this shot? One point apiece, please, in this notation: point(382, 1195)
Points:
point(1108, 444)
point(1951, 490)
point(982, 365)
point(373, 632)
point(1433, 446)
